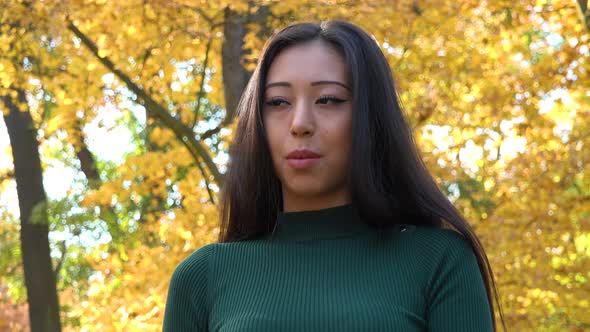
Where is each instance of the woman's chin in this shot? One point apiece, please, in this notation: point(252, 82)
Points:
point(306, 189)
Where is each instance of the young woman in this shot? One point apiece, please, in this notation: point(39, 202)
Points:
point(330, 220)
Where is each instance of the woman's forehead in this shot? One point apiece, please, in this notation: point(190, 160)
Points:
point(309, 62)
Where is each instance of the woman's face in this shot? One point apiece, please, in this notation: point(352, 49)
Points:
point(308, 105)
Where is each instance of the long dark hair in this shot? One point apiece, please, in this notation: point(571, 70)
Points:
point(389, 181)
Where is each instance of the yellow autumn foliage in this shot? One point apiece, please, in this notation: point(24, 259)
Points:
point(496, 92)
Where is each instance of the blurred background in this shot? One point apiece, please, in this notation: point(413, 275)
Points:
point(117, 117)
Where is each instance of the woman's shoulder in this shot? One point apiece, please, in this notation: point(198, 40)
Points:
point(191, 275)
point(436, 237)
point(209, 251)
point(444, 249)
point(195, 264)
point(435, 245)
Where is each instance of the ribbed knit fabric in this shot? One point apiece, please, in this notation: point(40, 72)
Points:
point(326, 270)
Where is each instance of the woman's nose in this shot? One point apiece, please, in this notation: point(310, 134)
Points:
point(302, 121)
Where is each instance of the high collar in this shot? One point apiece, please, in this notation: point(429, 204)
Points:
point(328, 223)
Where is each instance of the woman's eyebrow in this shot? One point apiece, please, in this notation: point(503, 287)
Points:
point(331, 82)
point(287, 84)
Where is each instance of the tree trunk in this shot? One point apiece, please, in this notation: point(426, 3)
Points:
point(39, 277)
point(235, 77)
point(584, 12)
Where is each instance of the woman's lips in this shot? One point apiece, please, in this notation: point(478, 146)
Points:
point(302, 163)
point(302, 158)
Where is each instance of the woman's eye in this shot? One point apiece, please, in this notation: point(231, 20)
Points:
point(276, 102)
point(326, 99)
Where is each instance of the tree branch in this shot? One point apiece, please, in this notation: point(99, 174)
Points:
point(181, 131)
point(7, 176)
point(210, 20)
point(201, 93)
point(213, 131)
point(407, 44)
point(61, 260)
point(211, 199)
point(585, 13)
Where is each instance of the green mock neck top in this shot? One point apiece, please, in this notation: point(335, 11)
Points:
point(328, 270)
point(329, 223)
